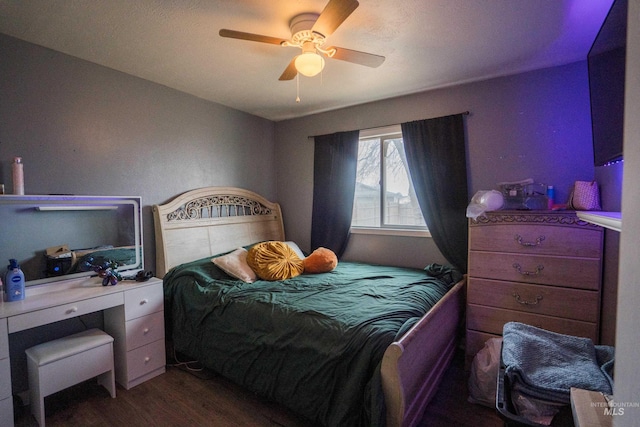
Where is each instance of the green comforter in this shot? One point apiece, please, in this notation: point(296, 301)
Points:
point(313, 343)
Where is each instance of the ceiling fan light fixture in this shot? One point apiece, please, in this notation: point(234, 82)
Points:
point(309, 32)
point(309, 64)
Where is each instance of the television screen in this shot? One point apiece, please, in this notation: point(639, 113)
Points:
point(606, 63)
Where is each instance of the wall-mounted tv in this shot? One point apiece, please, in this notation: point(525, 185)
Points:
point(606, 63)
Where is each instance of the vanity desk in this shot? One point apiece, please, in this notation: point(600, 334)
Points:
point(68, 235)
point(133, 316)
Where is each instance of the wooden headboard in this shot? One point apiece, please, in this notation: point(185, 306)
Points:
point(212, 220)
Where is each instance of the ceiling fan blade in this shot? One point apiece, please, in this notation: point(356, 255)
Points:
point(290, 72)
point(334, 14)
point(362, 58)
point(250, 37)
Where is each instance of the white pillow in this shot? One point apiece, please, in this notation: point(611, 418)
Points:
point(235, 265)
point(295, 249)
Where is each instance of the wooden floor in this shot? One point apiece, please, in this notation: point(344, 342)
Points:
point(179, 398)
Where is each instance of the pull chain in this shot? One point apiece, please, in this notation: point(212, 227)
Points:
point(298, 88)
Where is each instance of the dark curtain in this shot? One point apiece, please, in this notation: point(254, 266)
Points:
point(437, 163)
point(334, 181)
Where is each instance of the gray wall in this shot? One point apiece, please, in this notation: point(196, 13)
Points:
point(85, 129)
point(533, 125)
point(627, 372)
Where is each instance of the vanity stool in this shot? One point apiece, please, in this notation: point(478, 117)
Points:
point(59, 364)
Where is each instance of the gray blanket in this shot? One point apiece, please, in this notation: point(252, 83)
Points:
point(545, 365)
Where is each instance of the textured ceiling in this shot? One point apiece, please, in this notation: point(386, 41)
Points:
point(427, 44)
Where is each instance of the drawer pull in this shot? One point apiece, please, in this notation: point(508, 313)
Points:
point(147, 360)
point(539, 268)
point(523, 302)
point(72, 310)
point(144, 301)
point(145, 331)
point(528, 244)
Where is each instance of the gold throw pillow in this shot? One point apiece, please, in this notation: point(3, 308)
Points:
point(274, 261)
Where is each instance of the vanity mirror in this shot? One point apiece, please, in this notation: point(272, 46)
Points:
point(58, 237)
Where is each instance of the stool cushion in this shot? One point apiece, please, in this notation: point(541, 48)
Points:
point(67, 346)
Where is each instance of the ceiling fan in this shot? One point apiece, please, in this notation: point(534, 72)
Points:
point(309, 32)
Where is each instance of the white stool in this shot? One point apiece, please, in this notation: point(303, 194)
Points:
point(59, 364)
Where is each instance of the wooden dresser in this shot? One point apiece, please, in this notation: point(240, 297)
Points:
point(542, 268)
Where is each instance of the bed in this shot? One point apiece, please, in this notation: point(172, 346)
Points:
point(230, 326)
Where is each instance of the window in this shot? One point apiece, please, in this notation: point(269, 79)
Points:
point(384, 194)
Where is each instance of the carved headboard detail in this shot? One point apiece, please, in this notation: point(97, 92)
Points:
point(218, 207)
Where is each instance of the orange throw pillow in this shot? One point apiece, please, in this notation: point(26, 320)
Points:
point(321, 260)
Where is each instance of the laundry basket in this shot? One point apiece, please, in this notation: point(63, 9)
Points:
point(507, 411)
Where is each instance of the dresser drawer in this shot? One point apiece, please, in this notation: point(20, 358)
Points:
point(537, 239)
point(144, 330)
point(145, 359)
point(4, 339)
point(63, 311)
point(576, 304)
point(583, 273)
point(144, 300)
point(492, 320)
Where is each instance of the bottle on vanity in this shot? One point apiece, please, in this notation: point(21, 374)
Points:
point(14, 282)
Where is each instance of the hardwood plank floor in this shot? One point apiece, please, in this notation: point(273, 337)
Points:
point(179, 398)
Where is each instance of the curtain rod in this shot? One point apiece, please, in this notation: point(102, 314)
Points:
point(464, 113)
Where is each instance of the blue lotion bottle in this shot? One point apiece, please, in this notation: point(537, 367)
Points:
point(14, 282)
